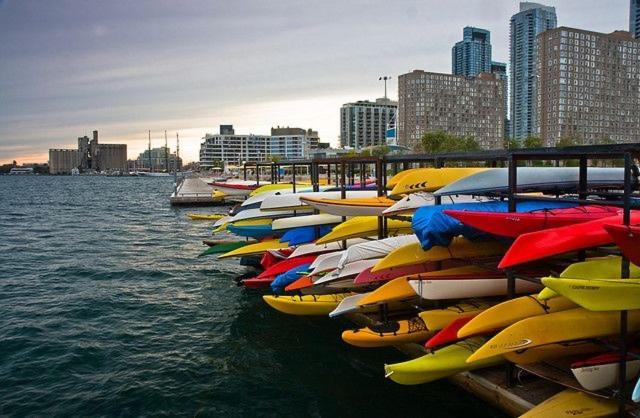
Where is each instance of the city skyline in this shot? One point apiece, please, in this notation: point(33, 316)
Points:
point(125, 68)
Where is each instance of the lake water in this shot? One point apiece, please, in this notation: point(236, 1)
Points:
point(105, 310)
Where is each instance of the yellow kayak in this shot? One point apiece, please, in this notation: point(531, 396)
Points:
point(440, 364)
point(437, 319)
point(249, 222)
point(395, 290)
point(572, 403)
point(460, 247)
point(205, 216)
point(507, 313)
point(306, 304)
point(598, 295)
point(254, 249)
point(395, 332)
point(397, 177)
point(364, 226)
point(572, 324)
point(278, 186)
point(430, 179)
point(553, 351)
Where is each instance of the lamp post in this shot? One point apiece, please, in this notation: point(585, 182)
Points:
point(385, 78)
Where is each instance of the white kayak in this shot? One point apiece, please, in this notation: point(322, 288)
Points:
point(249, 214)
point(236, 187)
point(375, 249)
point(292, 201)
point(468, 288)
point(259, 198)
point(411, 202)
point(533, 179)
point(351, 269)
point(291, 221)
point(600, 376)
point(312, 248)
point(348, 304)
point(222, 221)
point(325, 262)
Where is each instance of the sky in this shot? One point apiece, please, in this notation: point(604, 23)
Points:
point(124, 67)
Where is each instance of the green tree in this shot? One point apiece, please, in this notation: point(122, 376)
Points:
point(440, 141)
point(511, 143)
point(566, 141)
point(275, 158)
point(532, 142)
point(380, 151)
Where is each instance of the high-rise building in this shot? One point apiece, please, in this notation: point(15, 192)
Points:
point(499, 70)
point(589, 86)
point(634, 18)
point(314, 138)
point(459, 105)
point(472, 55)
point(532, 20)
point(364, 123)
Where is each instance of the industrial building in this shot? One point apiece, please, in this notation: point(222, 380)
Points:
point(90, 155)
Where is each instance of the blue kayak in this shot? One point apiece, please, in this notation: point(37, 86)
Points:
point(432, 227)
point(283, 280)
point(305, 234)
point(253, 231)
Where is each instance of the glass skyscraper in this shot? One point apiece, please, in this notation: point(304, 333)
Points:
point(634, 18)
point(472, 55)
point(526, 25)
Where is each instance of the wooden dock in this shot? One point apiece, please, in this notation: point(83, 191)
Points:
point(194, 191)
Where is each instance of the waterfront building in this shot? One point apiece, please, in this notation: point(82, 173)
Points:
point(157, 159)
point(634, 18)
point(499, 70)
point(472, 55)
point(90, 155)
point(312, 136)
point(589, 84)
point(235, 149)
point(529, 22)
point(364, 123)
point(459, 105)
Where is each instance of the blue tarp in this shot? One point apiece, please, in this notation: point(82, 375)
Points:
point(432, 227)
point(283, 280)
point(304, 234)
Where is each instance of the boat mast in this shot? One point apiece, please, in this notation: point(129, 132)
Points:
point(150, 167)
point(166, 153)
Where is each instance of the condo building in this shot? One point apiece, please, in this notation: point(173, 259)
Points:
point(499, 70)
point(634, 18)
point(472, 55)
point(589, 86)
point(459, 105)
point(525, 25)
point(364, 123)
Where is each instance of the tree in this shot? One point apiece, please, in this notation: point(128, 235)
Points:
point(566, 141)
point(380, 151)
point(274, 158)
point(440, 141)
point(510, 143)
point(532, 142)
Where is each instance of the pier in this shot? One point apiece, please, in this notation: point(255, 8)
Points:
point(194, 191)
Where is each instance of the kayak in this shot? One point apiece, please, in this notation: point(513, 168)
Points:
point(325, 262)
point(437, 319)
point(305, 305)
point(364, 226)
point(249, 214)
point(439, 289)
point(509, 312)
point(628, 239)
point(374, 249)
point(602, 371)
point(257, 230)
point(349, 270)
point(257, 248)
point(291, 201)
point(304, 234)
point(225, 247)
point(449, 334)
point(512, 225)
point(572, 403)
point(635, 396)
point(553, 352)
point(367, 277)
point(205, 216)
point(430, 179)
point(291, 221)
point(389, 333)
point(313, 248)
point(235, 187)
point(349, 207)
point(568, 325)
point(395, 290)
point(533, 179)
point(284, 279)
point(410, 203)
point(598, 294)
point(440, 364)
point(393, 180)
point(286, 265)
point(459, 248)
point(546, 243)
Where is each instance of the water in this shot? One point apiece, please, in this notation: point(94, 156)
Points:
point(105, 310)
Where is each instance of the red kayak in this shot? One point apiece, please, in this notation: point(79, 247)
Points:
point(549, 242)
point(366, 276)
point(286, 265)
point(628, 239)
point(448, 334)
point(301, 283)
point(508, 224)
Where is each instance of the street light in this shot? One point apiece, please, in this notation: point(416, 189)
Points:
point(385, 78)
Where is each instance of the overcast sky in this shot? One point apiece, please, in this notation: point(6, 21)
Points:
point(123, 67)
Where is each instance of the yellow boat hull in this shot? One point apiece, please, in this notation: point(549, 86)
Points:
point(598, 295)
point(572, 403)
point(429, 179)
point(205, 216)
point(437, 319)
point(408, 331)
point(440, 364)
point(507, 313)
point(307, 305)
point(255, 249)
point(459, 248)
point(552, 351)
point(364, 226)
point(395, 290)
point(572, 324)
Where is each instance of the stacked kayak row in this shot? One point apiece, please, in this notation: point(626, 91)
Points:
point(441, 277)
